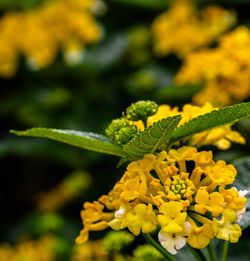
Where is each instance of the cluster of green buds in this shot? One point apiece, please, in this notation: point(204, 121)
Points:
point(114, 241)
point(147, 253)
point(141, 110)
point(122, 130)
point(178, 187)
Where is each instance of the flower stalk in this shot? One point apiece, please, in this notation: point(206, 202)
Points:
point(197, 253)
point(225, 251)
point(151, 241)
point(211, 252)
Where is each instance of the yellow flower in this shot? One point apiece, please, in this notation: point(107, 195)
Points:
point(220, 174)
point(224, 229)
point(35, 250)
point(93, 218)
point(233, 198)
point(209, 202)
point(39, 34)
point(132, 185)
point(173, 241)
point(172, 219)
point(225, 68)
point(199, 237)
point(183, 28)
point(142, 217)
point(173, 189)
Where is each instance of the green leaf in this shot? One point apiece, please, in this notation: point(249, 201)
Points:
point(242, 182)
point(216, 118)
point(151, 138)
point(85, 140)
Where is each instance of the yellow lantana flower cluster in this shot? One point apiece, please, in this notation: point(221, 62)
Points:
point(225, 70)
point(40, 33)
point(183, 28)
point(183, 192)
point(39, 250)
point(220, 137)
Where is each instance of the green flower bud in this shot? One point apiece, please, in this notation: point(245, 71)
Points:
point(115, 126)
point(121, 131)
point(146, 253)
point(116, 241)
point(141, 110)
point(126, 134)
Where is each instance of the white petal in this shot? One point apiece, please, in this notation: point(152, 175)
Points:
point(242, 193)
point(164, 236)
point(120, 213)
point(239, 218)
point(239, 214)
point(169, 246)
point(187, 227)
point(172, 250)
point(180, 242)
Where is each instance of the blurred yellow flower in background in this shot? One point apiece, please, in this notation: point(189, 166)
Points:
point(70, 188)
point(225, 70)
point(40, 33)
point(183, 28)
point(27, 250)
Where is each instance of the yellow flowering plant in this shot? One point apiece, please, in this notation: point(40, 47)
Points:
point(39, 34)
point(170, 186)
point(225, 68)
point(35, 250)
point(184, 28)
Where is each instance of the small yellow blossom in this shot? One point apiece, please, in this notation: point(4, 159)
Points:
point(93, 219)
point(234, 200)
point(174, 241)
point(224, 229)
point(141, 218)
point(199, 237)
point(171, 218)
point(220, 174)
point(209, 202)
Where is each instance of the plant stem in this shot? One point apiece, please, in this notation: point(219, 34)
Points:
point(150, 240)
point(145, 122)
point(225, 250)
point(211, 252)
point(198, 254)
